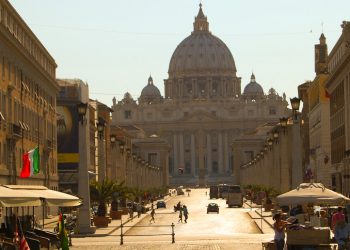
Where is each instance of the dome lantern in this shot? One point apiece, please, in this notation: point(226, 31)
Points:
point(200, 23)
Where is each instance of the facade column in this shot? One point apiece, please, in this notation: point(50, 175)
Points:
point(175, 155)
point(84, 225)
point(297, 171)
point(225, 147)
point(182, 158)
point(220, 153)
point(201, 172)
point(101, 160)
point(209, 159)
point(193, 155)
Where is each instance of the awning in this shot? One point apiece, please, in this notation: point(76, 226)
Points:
point(50, 197)
point(315, 193)
point(15, 198)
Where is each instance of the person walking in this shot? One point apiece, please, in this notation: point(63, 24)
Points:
point(180, 215)
point(131, 213)
point(279, 227)
point(139, 210)
point(185, 213)
point(153, 212)
point(336, 217)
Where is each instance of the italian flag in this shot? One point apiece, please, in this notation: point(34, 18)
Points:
point(30, 163)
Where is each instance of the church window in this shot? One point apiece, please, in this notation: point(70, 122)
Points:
point(250, 112)
point(215, 167)
point(152, 158)
point(187, 167)
point(149, 115)
point(127, 114)
point(272, 110)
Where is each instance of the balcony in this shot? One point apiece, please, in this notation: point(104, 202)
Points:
point(14, 132)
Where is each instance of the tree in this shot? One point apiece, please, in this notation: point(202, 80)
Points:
point(102, 192)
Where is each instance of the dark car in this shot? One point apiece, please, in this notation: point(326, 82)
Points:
point(161, 204)
point(212, 207)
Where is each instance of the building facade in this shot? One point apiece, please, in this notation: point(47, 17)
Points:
point(319, 121)
point(276, 158)
point(338, 87)
point(28, 92)
point(203, 109)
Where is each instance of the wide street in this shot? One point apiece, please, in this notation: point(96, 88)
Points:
point(232, 228)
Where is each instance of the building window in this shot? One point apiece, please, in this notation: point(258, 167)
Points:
point(187, 168)
point(127, 114)
point(185, 114)
point(250, 112)
point(152, 158)
point(215, 167)
point(149, 115)
point(272, 111)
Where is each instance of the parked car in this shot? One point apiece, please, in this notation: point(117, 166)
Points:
point(213, 207)
point(161, 204)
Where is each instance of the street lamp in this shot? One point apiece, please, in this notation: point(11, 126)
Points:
point(275, 135)
point(283, 124)
point(112, 139)
point(121, 147)
point(295, 103)
point(82, 107)
point(100, 128)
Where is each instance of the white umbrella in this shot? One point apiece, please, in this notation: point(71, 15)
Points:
point(16, 198)
point(315, 193)
point(51, 197)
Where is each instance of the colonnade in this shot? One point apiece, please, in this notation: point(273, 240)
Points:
point(214, 148)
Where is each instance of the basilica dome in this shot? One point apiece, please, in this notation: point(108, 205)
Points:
point(150, 93)
point(201, 52)
point(253, 89)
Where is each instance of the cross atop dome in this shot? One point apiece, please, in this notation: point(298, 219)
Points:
point(200, 22)
point(252, 78)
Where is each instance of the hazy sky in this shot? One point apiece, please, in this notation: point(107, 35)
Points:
point(114, 45)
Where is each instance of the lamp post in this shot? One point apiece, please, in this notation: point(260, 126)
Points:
point(295, 103)
point(297, 169)
point(83, 225)
point(283, 123)
point(82, 107)
point(100, 125)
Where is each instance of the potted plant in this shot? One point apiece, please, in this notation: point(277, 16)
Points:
point(115, 213)
point(101, 192)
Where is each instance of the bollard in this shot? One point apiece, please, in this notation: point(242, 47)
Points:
point(173, 233)
point(121, 232)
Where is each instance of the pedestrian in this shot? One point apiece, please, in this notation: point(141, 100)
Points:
point(279, 227)
point(131, 213)
point(184, 208)
point(178, 206)
point(341, 234)
point(206, 193)
point(180, 215)
point(153, 212)
point(336, 217)
point(139, 210)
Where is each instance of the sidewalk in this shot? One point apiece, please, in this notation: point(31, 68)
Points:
point(115, 224)
point(262, 219)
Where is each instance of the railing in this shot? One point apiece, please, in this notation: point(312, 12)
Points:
point(122, 235)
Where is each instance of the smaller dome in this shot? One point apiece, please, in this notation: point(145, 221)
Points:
point(253, 89)
point(150, 91)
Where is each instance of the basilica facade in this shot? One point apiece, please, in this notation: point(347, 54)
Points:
point(202, 110)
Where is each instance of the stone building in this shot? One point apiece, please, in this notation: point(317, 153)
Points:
point(28, 92)
point(203, 109)
point(338, 87)
point(319, 123)
point(70, 95)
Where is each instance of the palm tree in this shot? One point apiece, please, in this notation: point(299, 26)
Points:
point(102, 192)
